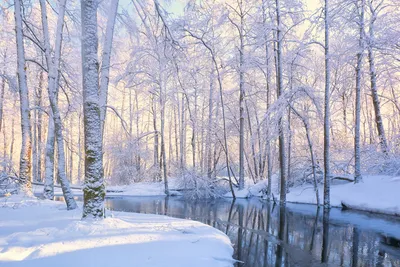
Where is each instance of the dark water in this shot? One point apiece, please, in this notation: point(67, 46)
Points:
point(264, 234)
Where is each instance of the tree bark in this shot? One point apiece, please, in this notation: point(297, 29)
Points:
point(53, 76)
point(94, 190)
point(279, 78)
point(25, 163)
point(327, 170)
point(106, 61)
point(357, 139)
point(374, 89)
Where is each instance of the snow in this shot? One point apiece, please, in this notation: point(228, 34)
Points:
point(377, 194)
point(245, 193)
point(136, 189)
point(43, 233)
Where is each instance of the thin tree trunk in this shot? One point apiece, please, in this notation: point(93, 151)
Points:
point(374, 90)
point(310, 146)
point(209, 137)
point(155, 154)
point(2, 91)
point(327, 170)
point(25, 163)
point(53, 75)
point(183, 136)
point(279, 78)
point(357, 139)
point(268, 80)
point(163, 152)
point(39, 126)
point(241, 100)
point(105, 61)
point(48, 190)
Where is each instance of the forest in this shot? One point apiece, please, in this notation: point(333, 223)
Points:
point(212, 95)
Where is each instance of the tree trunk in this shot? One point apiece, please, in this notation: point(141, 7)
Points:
point(25, 163)
point(209, 137)
point(357, 141)
point(53, 75)
point(279, 78)
point(105, 61)
point(48, 190)
point(93, 191)
point(327, 169)
point(163, 152)
point(39, 127)
point(241, 102)
point(374, 89)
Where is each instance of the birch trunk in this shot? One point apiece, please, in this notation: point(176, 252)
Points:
point(374, 89)
point(94, 190)
point(48, 190)
point(105, 61)
point(268, 80)
point(357, 139)
point(25, 163)
point(39, 127)
point(2, 91)
point(241, 102)
point(279, 78)
point(162, 126)
point(327, 170)
point(53, 67)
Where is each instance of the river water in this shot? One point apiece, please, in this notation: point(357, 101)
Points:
point(264, 234)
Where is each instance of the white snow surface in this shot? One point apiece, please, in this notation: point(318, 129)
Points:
point(43, 233)
point(136, 189)
point(374, 194)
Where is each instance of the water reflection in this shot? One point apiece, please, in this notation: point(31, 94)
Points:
point(264, 234)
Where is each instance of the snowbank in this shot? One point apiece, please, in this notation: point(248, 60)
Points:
point(136, 189)
point(43, 233)
point(377, 194)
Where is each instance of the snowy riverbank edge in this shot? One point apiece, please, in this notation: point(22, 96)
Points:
point(43, 233)
point(376, 194)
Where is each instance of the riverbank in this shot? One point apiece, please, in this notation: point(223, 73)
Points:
point(43, 233)
point(377, 194)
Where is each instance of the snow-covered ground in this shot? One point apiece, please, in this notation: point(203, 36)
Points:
point(136, 189)
point(43, 233)
point(378, 194)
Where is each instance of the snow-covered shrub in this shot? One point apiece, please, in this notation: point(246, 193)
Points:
point(195, 185)
point(126, 161)
point(8, 184)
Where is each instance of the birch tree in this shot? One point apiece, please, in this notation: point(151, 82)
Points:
point(94, 190)
point(279, 79)
point(373, 76)
point(105, 61)
point(53, 67)
point(327, 170)
point(25, 162)
point(360, 5)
